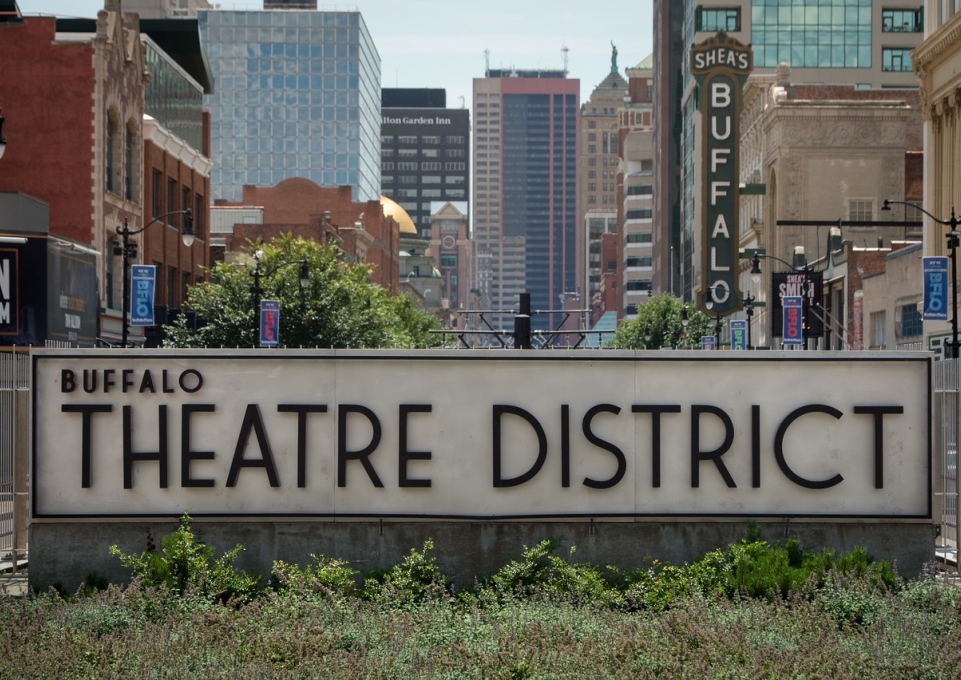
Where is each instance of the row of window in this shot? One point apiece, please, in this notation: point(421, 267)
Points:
point(177, 197)
point(424, 139)
point(426, 153)
point(407, 165)
point(119, 145)
point(425, 179)
point(423, 193)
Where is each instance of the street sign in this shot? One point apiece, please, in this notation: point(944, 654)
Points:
point(793, 325)
point(269, 323)
point(141, 294)
point(738, 334)
point(935, 288)
point(707, 342)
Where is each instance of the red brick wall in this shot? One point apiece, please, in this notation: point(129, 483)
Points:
point(46, 91)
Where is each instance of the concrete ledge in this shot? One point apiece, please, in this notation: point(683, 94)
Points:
point(67, 552)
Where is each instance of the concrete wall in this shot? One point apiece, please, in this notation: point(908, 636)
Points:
point(67, 552)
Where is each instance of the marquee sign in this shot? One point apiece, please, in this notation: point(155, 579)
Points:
point(480, 434)
point(720, 65)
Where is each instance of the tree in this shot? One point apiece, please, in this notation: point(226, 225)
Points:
point(339, 308)
point(659, 324)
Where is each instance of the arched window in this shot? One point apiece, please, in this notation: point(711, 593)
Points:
point(109, 152)
point(128, 167)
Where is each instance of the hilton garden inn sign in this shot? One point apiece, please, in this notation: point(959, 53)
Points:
point(480, 434)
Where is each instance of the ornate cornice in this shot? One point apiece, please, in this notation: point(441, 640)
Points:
point(945, 38)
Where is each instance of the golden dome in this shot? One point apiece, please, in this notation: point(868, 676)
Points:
point(391, 209)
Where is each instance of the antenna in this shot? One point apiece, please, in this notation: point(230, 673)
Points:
point(564, 50)
point(487, 61)
point(463, 102)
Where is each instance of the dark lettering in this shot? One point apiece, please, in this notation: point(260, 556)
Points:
point(697, 456)
point(86, 410)
point(68, 381)
point(603, 444)
point(499, 410)
point(779, 447)
point(302, 410)
point(878, 412)
point(187, 456)
point(343, 455)
point(89, 381)
point(130, 456)
point(166, 388)
point(108, 380)
point(252, 420)
point(127, 380)
point(193, 372)
point(755, 447)
point(565, 446)
point(404, 455)
point(656, 410)
point(147, 383)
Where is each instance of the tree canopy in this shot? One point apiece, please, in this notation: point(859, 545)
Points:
point(339, 308)
point(659, 324)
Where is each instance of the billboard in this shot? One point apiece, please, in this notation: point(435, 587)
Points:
point(803, 284)
point(364, 433)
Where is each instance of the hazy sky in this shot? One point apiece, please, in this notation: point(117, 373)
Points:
point(441, 43)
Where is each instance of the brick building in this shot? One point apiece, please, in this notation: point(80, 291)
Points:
point(363, 230)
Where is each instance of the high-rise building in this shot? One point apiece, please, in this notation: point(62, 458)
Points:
point(597, 167)
point(525, 190)
point(844, 42)
point(164, 9)
point(297, 95)
point(425, 152)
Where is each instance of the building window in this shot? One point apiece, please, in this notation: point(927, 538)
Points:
point(640, 190)
point(643, 261)
point(428, 139)
point(591, 162)
point(406, 166)
point(387, 166)
point(184, 199)
point(386, 179)
point(430, 193)
point(407, 139)
point(896, 59)
point(637, 285)
point(861, 211)
point(455, 179)
point(592, 200)
point(718, 19)
point(638, 237)
point(430, 179)
point(407, 153)
point(592, 148)
point(386, 153)
point(448, 259)
point(454, 193)
point(592, 174)
point(171, 198)
point(902, 20)
point(455, 139)
point(431, 153)
point(832, 34)
point(909, 321)
point(454, 166)
point(878, 330)
point(128, 163)
point(109, 150)
point(430, 166)
point(407, 179)
point(407, 193)
point(592, 186)
point(592, 137)
point(199, 215)
point(156, 189)
point(642, 214)
point(455, 153)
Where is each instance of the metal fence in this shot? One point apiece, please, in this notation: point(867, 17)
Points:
point(14, 464)
point(945, 455)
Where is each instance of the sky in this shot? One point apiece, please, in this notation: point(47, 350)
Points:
point(441, 43)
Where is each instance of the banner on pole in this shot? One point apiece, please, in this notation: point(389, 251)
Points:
point(935, 288)
point(142, 285)
point(707, 342)
point(269, 323)
point(738, 334)
point(793, 325)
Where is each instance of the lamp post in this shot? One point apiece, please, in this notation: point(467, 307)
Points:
point(682, 330)
point(256, 289)
point(748, 311)
point(129, 250)
point(952, 235)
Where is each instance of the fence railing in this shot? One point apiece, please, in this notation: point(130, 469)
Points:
point(14, 464)
point(946, 405)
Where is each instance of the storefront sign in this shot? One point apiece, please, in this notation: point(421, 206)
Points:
point(9, 300)
point(792, 309)
point(935, 288)
point(141, 295)
point(739, 334)
point(804, 284)
point(480, 434)
point(721, 65)
point(269, 323)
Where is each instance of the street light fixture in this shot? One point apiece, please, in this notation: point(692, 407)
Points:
point(256, 289)
point(952, 235)
point(129, 250)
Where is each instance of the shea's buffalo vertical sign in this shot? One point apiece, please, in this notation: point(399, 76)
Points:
point(480, 434)
point(721, 65)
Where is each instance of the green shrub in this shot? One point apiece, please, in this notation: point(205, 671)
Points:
point(415, 579)
point(184, 562)
point(324, 577)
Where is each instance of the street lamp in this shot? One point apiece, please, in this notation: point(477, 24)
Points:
point(952, 246)
point(3, 140)
point(129, 250)
point(676, 337)
point(256, 289)
point(748, 303)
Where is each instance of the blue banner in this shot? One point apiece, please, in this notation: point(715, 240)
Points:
point(793, 308)
point(738, 334)
point(935, 288)
point(269, 323)
point(142, 284)
point(707, 342)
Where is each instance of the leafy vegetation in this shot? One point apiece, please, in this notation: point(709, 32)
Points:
point(755, 609)
point(339, 308)
point(659, 323)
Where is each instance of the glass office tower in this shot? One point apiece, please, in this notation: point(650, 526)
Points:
point(297, 94)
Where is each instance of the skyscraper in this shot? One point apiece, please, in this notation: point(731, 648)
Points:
point(297, 95)
point(525, 190)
